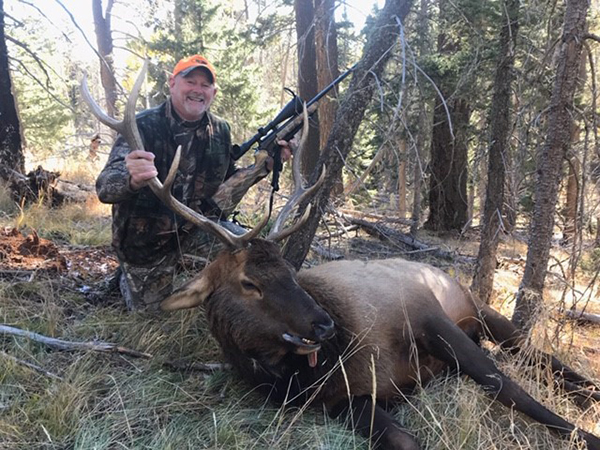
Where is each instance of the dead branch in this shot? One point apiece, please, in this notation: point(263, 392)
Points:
point(591, 36)
point(320, 250)
point(197, 366)
point(582, 316)
point(60, 344)
point(35, 57)
point(38, 81)
point(396, 237)
point(51, 22)
point(74, 21)
point(381, 152)
point(341, 232)
point(30, 366)
point(374, 216)
point(17, 22)
point(23, 274)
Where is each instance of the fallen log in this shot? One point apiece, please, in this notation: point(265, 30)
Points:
point(325, 253)
point(45, 185)
point(388, 234)
point(60, 344)
point(582, 316)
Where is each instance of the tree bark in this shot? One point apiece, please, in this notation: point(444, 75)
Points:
point(402, 178)
point(448, 201)
point(102, 25)
point(448, 205)
point(307, 77)
point(424, 119)
point(349, 115)
point(569, 237)
point(529, 297)
point(11, 151)
point(483, 279)
point(327, 71)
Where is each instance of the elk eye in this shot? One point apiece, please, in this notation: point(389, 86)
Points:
point(250, 286)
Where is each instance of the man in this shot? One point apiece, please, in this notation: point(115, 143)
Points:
point(148, 238)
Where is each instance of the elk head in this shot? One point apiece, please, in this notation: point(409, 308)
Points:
point(253, 300)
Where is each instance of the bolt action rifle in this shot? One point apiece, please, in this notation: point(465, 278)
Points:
point(283, 127)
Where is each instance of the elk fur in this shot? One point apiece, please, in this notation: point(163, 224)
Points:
point(413, 320)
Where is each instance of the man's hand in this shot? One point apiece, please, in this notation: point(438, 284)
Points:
point(286, 154)
point(140, 165)
point(286, 150)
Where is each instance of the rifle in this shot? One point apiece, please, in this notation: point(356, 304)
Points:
point(292, 114)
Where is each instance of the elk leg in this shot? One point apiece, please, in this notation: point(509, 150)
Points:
point(501, 331)
point(444, 340)
point(373, 422)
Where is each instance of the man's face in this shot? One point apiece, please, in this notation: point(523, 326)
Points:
point(192, 95)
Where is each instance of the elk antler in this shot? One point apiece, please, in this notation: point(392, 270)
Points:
point(129, 130)
point(300, 192)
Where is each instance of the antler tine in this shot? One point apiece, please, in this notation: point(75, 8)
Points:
point(300, 192)
point(129, 130)
point(110, 122)
point(128, 126)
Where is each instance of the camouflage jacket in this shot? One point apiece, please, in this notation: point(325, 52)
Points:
point(144, 230)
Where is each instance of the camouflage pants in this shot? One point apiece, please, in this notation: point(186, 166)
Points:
point(144, 287)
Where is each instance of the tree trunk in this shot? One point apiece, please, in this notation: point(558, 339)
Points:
point(448, 206)
point(415, 217)
point(419, 164)
point(11, 151)
point(349, 115)
point(402, 179)
point(569, 237)
point(483, 279)
point(448, 201)
point(327, 71)
point(307, 77)
point(529, 297)
point(105, 48)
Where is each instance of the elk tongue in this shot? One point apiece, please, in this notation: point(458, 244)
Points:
point(312, 359)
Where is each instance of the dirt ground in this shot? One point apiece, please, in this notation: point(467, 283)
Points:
point(26, 256)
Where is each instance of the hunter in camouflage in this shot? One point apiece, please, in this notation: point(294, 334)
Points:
point(148, 238)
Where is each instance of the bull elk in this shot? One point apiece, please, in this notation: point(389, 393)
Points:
point(340, 332)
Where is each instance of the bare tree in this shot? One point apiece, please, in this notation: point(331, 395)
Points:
point(327, 70)
point(483, 279)
point(550, 158)
point(102, 24)
point(327, 63)
point(420, 142)
point(11, 151)
point(448, 206)
point(307, 76)
point(351, 111)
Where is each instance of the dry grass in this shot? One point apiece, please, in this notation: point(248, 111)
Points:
point(109, 401)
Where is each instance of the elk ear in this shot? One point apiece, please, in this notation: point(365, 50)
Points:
point(189, 295)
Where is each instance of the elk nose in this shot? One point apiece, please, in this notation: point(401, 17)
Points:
point(324, 330)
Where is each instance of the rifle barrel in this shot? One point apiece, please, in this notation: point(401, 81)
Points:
point(335, 82)
point(293, 108)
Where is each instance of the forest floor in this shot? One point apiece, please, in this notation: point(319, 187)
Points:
point(55, 399)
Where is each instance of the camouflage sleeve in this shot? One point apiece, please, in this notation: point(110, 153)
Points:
point(112, 185)
point(230, 192)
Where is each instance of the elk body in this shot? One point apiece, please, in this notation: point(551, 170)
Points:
point(340, 332)
point(325, 331)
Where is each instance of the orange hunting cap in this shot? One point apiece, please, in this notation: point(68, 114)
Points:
point(186, 65)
